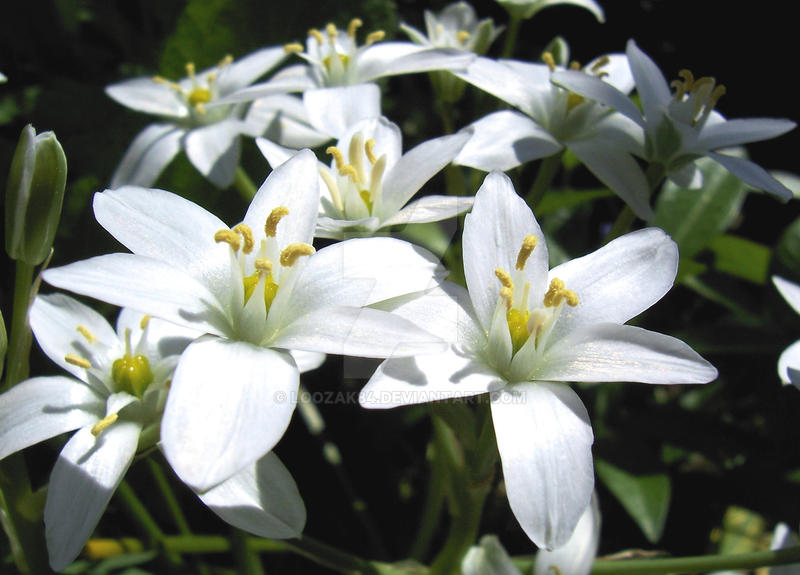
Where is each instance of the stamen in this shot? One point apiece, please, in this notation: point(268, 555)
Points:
point(376, 177)
point(373, 37)
point(229, 237)
point(168, 83)
point(507, 291)
point(77, 360)
point(226, 61)
point(190, 70)
point(354, 25)
point(575, 65)
point(293, 48)
point(528, 243)
point(84, 331)
point(603, 61)
point(548, 59)
point(355, 156)
point(271, 225)
point(338, 157)
point(332, 31)
point(462, 36)
point(369, 149)
point(349, 170)
point(558, 293)
point(292, 253)
point(247, 235)
point(101, 425)
point(718, 92)
point(313, 32)
point(144, 322)
point(263, 265)
point(336, 197)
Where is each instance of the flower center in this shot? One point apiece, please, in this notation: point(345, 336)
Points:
point(596, 69)
point(201, 90)
point(694, 99)
point(357, 190)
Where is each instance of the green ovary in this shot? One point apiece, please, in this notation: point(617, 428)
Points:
point(132, 374)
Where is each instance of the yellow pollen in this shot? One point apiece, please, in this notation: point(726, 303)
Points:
point(354, 25)
point(84, 331)
point(331, 31)
point(547, 58)
point(263, 265)
point(144, 322)
point(77, 360)
point(247, 235)
point(292, 253)
point(271, 225)
point(171, 85)
point(229, 237)
point(558, 293)
point(600, 63)
point(700, 82)
point(226, 61)
point(293, 48)
point(462, 36)
point(101, 425)
point(190, 70)
point(718, 92)
point(528, 243)
point(338, 157)
point(316, 35)
point(574, 65)
point(507, 291)
point(375, 36)
point(369, 149)
point(349, 170)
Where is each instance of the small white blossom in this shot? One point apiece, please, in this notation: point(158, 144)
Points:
point(789, 362)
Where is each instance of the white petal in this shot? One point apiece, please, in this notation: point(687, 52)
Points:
point(246, 70)
point(689, 176)
point(735, 132)
point(294, 185)
point(283, 118)
point(619, 281)
point(504, 140)
point(229, 404)
point(169, 228)
point(43, 407)
point(752, 175)
point(54, 320)
point(307, 360)
point(290, 79)
point(145, 95)
point(360, 332)
point(544, 438)
point(333, 110)
point(517, 86)
point(493, 234)
point(144, 284)
point(416, 167)
point(577, 555)
point(618, 170)
point(387, 135)
point(392, 58)
point(147, 155)
point(789, 290)
point(488, 559)
point(430, 209)
point(609, 352)
point(598, 90)
point(85, 476)
point(789, 365)
point(160, 340)
point(275, 154)
point(214, 150)
point(650, 84)
point(261, 499)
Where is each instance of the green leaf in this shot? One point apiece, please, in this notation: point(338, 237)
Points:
point(695, 217)
point(742, 258)
point(645, 497)
point(561, 199)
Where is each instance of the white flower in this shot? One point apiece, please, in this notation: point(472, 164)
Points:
point(208, 134)
point(488, 558)
point(789, 362)
point(3, 78)
point(683, 126)
point(370, 180)
point(338, 77)
point(553, 118)
point(456, 26)
point(526, 9)
point(257, 290)
point(521, 333)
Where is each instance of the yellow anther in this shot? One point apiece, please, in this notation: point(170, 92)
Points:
point(338, 157)
point(77, 360)
point(349, 170)
point(263, 265)
point(169, 84)
point(101, 425)
point(687, 76)
point(603, 61)
point(548, 59)
point(143, 323)
point(369, 149)
point(575, 65)
point(507, 291)
point(314, 33)
point(700, 82)
point(105, 548)
point(558, 293)
point(373, 37)
point(211, 77)
point(226, 61)
point(190, 69)
point(247, 235)
point(462, 36)
point(354, 25)
point(292, 252)
point(271, 225)
point(293, 48)
point(718, 92)
point(332, 31)
point(229, 237)
point(84, 331)
point(528, 243)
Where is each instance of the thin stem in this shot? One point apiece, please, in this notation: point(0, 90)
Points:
point(173, 507)
point(247, 559)
point(432, 509)
point(544, 179)
point(19, 342)
point(139, 513)
point(655, 175)
point(511, 36)
point(245, 186)
point(330, 557)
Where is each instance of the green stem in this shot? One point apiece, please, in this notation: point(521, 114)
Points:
point(142, 517)
point(330, 557)
point(655, 175)
point(544, 179)
point(245, 186)
point(511, 36)
point(247, 560)
point(173, 507)
point(19, 343)
point(432, 509)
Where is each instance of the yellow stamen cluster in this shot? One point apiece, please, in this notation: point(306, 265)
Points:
point(104, 423)
point(235, 237)
point(293, 252)
point(558, 293)
point(705, 90)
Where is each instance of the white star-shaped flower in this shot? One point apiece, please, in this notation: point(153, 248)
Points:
point(789, 362)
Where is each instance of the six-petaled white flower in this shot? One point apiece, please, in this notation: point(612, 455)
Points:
point(520, 333)
point(789, 361)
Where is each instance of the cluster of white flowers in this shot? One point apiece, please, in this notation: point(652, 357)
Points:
point(218, 321)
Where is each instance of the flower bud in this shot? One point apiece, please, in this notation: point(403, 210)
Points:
point(34, 194)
